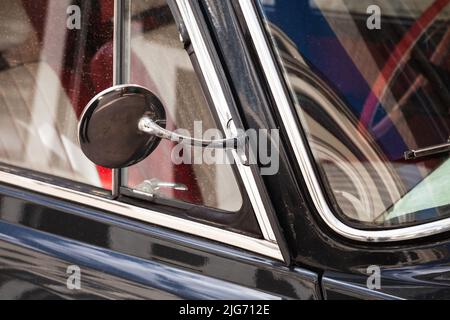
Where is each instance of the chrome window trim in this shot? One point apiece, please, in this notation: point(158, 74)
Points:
point(259, 246)
point(223, 110)
point(267, 246)
point(121, 63)
point(275, 80)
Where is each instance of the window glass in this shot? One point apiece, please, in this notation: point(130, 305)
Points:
point(52, 62)
point(370, 82)
point(160, 62)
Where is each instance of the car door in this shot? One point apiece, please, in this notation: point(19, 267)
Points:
point(161, 229)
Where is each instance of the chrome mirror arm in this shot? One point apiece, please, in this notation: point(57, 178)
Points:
point(147, 125)
point(140, 111)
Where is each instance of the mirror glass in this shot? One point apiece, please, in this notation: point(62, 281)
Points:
point(160, 62)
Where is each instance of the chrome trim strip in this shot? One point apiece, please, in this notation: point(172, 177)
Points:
point(306, 165)
point(355, 290)
point(121, 62)
point(259, 246)
point(221, 105)
point(121, 42)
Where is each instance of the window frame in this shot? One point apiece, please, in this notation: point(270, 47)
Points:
point(208, 71)
point(217, 216)
point(272, 68)
point(266, 246)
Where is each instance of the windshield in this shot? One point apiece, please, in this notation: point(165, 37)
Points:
point(370, 83)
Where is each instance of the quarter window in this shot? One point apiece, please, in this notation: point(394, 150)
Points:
point(159, 61)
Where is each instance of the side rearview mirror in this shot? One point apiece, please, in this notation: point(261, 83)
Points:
point(124, 124)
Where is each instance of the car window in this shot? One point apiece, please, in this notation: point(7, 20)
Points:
point(370, 83)
point(51, 65)
point(61, 55)
point(159, 61)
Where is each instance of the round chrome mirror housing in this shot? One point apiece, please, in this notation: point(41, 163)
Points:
point(109, 133)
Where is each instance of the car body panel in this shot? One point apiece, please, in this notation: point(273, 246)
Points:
point(40, 237)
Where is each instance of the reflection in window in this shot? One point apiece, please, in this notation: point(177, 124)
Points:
point(160, 62)
point(48, 73)
point(366, 96)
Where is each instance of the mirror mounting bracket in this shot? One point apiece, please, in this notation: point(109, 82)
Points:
point(238, 143)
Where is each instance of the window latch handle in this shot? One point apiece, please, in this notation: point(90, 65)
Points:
point(153, 185)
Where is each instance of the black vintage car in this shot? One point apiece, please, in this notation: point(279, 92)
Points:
point(241, 149)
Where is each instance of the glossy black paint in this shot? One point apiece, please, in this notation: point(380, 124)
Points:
point(106, 273)
point(41, 236)
point(413, 269)
point(343, 290)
